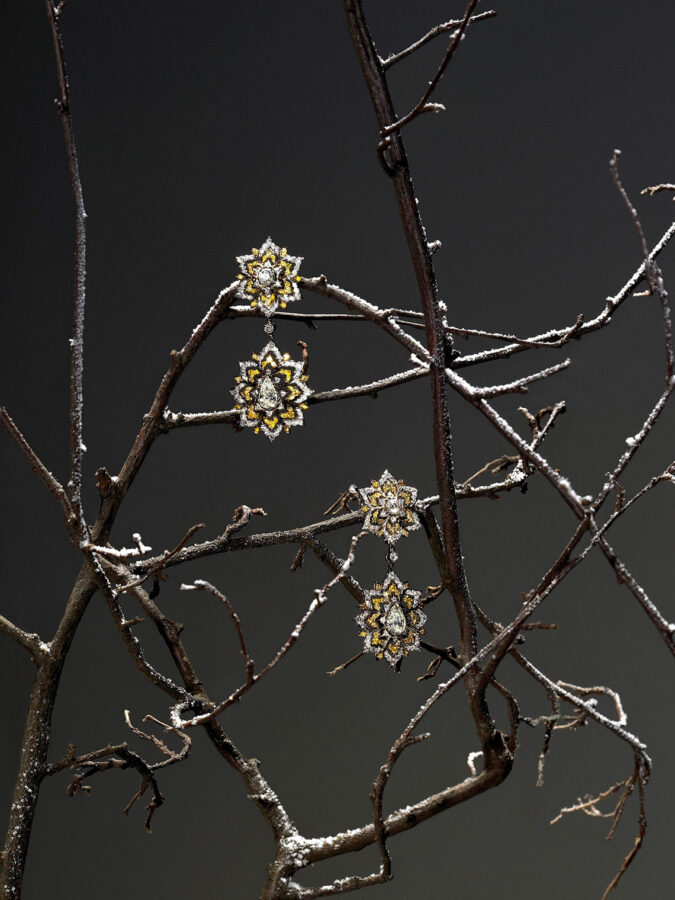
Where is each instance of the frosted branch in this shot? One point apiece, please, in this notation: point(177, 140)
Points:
point(319, 600)
point(657, 188)
point(471, 761)
point(422, 104)
point(30, 642)
point(50, 481)
point(555, 334)
point(520, 385)
point(232, 416)
point(443, 28)
point(201, 585)
point(77, 339)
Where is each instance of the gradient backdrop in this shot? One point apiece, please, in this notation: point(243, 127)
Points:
point(202, 128)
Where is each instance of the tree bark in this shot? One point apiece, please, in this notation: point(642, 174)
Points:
point(35, 741)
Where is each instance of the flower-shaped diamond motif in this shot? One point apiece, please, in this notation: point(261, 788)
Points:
point(391, 620)
point(271, 392)
point(389, 506)
point(269, 277)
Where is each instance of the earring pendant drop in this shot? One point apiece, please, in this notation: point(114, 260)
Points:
point(391, 616)
point(271, 390)
point(391, 619)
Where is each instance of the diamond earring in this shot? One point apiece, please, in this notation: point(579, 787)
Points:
point(391, 616)
point(271, 390)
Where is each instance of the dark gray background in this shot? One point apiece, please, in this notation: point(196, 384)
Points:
point(201, 128)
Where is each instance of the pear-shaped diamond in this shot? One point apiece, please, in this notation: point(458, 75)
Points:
point(268, 398)
point(395, 622)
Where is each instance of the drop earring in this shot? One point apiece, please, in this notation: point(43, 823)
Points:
point(271, 390)
point(391, 617)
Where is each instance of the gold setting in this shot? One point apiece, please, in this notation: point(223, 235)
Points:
point(389, 506)
point(271, 392)
point(268, 277)
point(391, 619)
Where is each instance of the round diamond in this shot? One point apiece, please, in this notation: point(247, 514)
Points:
point(265, 276)
point(393, 507)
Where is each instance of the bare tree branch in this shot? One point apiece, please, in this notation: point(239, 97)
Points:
point(206, 586)
point(119, 756)
point(423, 103)
point(657, 188)
point(452, 25)
point(589, 325)
point(652, 271)
point(520, 385)
point(77, 447)
point(232, 416)
point(426, 337)
point(320, 597)
point(52, 484)
point(29, 642)
point(153, 422)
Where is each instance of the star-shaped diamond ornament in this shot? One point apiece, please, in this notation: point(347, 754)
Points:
point(271, 392)
point(391, 620)
point(269, 278)
point(389, 506)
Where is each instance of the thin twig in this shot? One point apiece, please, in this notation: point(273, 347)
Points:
point(153, 421)
point(455, 39)
point(657, 188)
point(402, 317)
point(589, 325)
point(30, 642)
point(161, 561)
point(77, 447)
point(106, 758)
point(525, 342)
point(172, 756)
point(52, 484)
point(134, 646)
point(232, 416)
point(640, 779)
point(666, 475)
point(384, 318)
point(320, 597)
point(452, 25)
point(520, 385)
point(345, 665)
point(589, 807)
point(652, 271)
point(201, 585)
